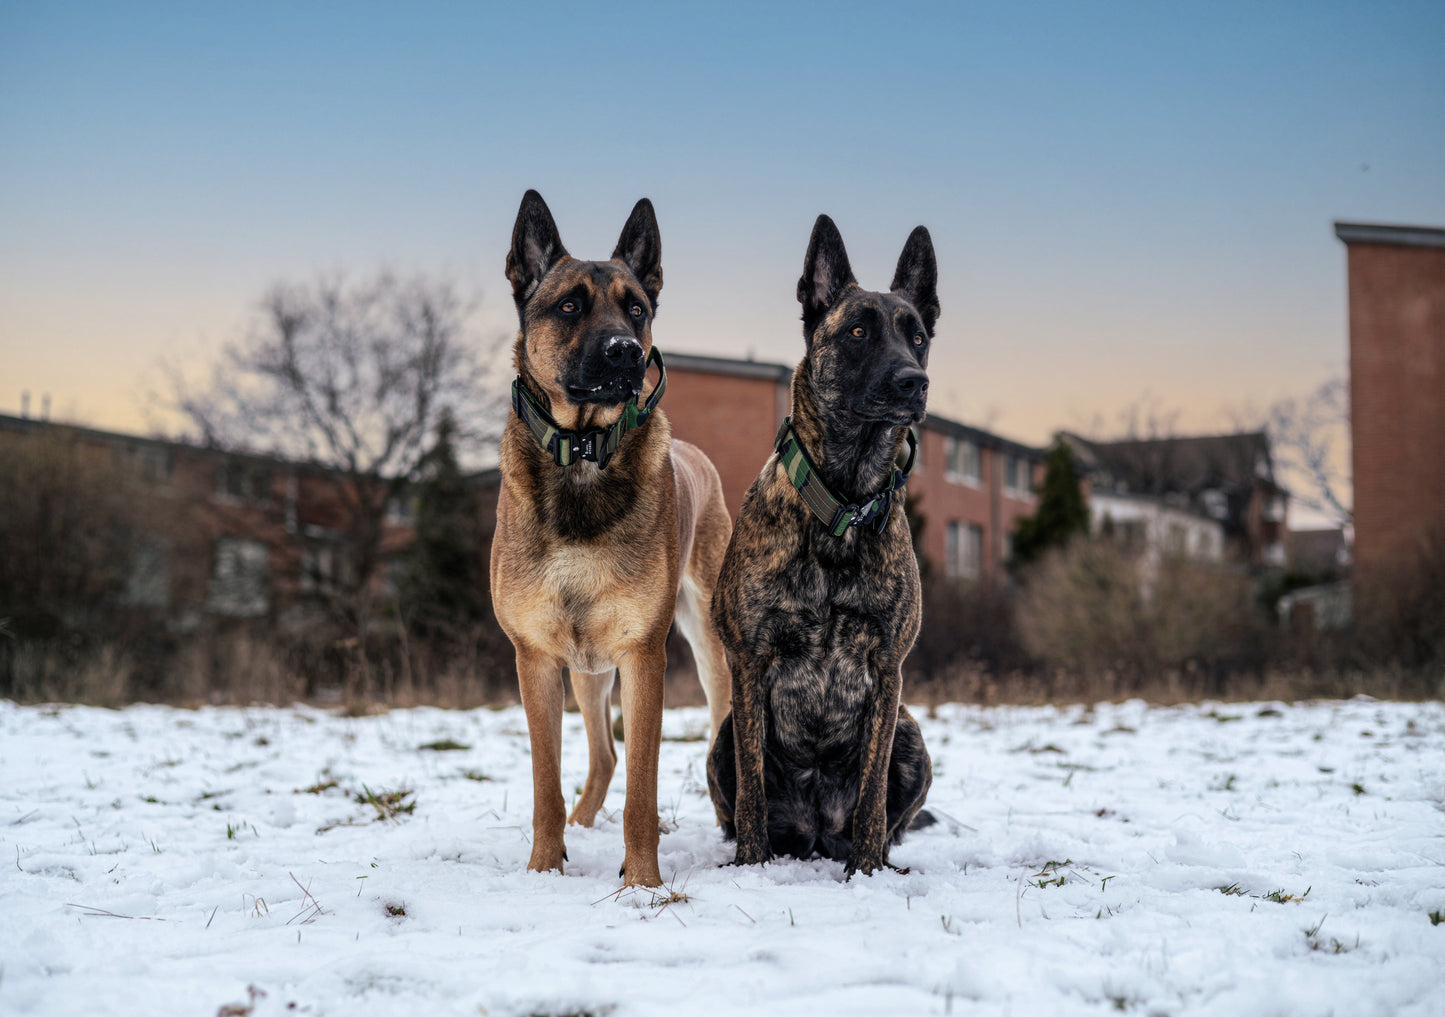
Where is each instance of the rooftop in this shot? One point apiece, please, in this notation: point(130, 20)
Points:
point(1400, 236)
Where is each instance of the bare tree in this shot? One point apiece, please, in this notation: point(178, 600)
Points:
point(1311, 436)
point(354, 378)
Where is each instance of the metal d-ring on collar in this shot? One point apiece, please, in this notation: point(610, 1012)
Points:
point(598, 446)
point(834, 513)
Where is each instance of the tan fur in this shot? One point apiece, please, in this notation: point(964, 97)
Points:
point(607, 601)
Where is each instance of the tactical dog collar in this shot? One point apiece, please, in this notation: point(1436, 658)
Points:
point(598, 445)
point(830, 510)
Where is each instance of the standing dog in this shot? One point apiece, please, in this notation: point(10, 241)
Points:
point(605, 525)
point(819, 601)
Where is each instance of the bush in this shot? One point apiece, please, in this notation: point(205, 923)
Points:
point(1097, 612)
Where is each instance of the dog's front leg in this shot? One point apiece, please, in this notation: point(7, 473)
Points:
point(870, 819)
point(642, 675)
point(750, 734)
point(540, 679)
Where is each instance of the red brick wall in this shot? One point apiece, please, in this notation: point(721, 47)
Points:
point(1397, 400)
point(734, 420)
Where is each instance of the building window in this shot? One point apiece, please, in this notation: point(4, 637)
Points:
point(318, 568)
point(240, 481)
point(401, 510)
point(148, 584)
point(1017, 477)
point(962, 462)
point(150, 462)
point(963, 553)
point(238, 578)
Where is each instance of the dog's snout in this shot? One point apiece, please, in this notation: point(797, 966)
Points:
point(623, 350)
point(911, 382)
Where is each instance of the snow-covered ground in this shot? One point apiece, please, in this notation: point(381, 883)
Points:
point(1228, 859)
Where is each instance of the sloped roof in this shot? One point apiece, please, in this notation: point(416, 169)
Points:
point(1186, 465)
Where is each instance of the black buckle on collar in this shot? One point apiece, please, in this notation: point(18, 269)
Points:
point(873, 515)
point(590, 445)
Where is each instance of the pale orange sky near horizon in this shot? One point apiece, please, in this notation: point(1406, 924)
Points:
point(104, 360)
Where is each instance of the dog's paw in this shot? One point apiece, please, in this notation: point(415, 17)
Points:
point(639, 875)
point(547, 858)
point(865, 864)
point(751, 856)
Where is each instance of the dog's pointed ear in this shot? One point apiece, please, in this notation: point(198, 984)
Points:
point(640, 246)
point(826, 274)
point(916, 279)
point(536, 247)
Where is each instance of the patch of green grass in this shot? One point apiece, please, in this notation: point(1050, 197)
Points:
point(1357, 788)
point(476, 775)
point(1049, 874)
point(1285, 897)
point(1224, 784)
point(1277, 896)
point(396, 910)
point(388, 804)
point(1436, 917)
point(444, 745)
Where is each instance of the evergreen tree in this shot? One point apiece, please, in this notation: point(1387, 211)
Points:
point(1062, 512)
point(446, 579)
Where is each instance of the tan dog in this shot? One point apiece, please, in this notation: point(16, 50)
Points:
point(605, 526)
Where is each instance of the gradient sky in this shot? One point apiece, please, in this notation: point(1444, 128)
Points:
point(1131, 202)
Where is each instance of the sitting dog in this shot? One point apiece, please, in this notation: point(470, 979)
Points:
point(605, 525)
point(818, 601)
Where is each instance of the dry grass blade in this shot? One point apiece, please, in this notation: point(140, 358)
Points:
point(94, 912)
point(310, 907)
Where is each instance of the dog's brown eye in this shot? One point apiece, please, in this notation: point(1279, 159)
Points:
point(858, 332)
point(568, 307)
point(918, 339)
point(637, 310)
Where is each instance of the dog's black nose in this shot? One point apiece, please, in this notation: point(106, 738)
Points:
point(623, 350)
point(910, 383)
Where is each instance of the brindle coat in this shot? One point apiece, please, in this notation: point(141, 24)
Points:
point(589, 564)
point(818, 753)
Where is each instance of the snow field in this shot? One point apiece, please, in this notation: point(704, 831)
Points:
point(1236, 859)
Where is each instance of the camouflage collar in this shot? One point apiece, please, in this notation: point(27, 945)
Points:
point(598, 446)
point(836, 515)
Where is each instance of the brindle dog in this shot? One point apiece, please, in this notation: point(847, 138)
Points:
point(818, 754)
point(589, 560)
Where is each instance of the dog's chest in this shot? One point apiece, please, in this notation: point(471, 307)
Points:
point(820, 684)
point(582, 612)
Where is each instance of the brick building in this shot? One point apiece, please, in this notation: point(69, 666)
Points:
point(224, 535)
point(1397, 396)
point(220, 534)
point(968, 485)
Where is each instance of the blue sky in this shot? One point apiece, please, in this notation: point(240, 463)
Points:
point(1131, 202)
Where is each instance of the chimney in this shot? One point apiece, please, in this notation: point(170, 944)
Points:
point(25, 404)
